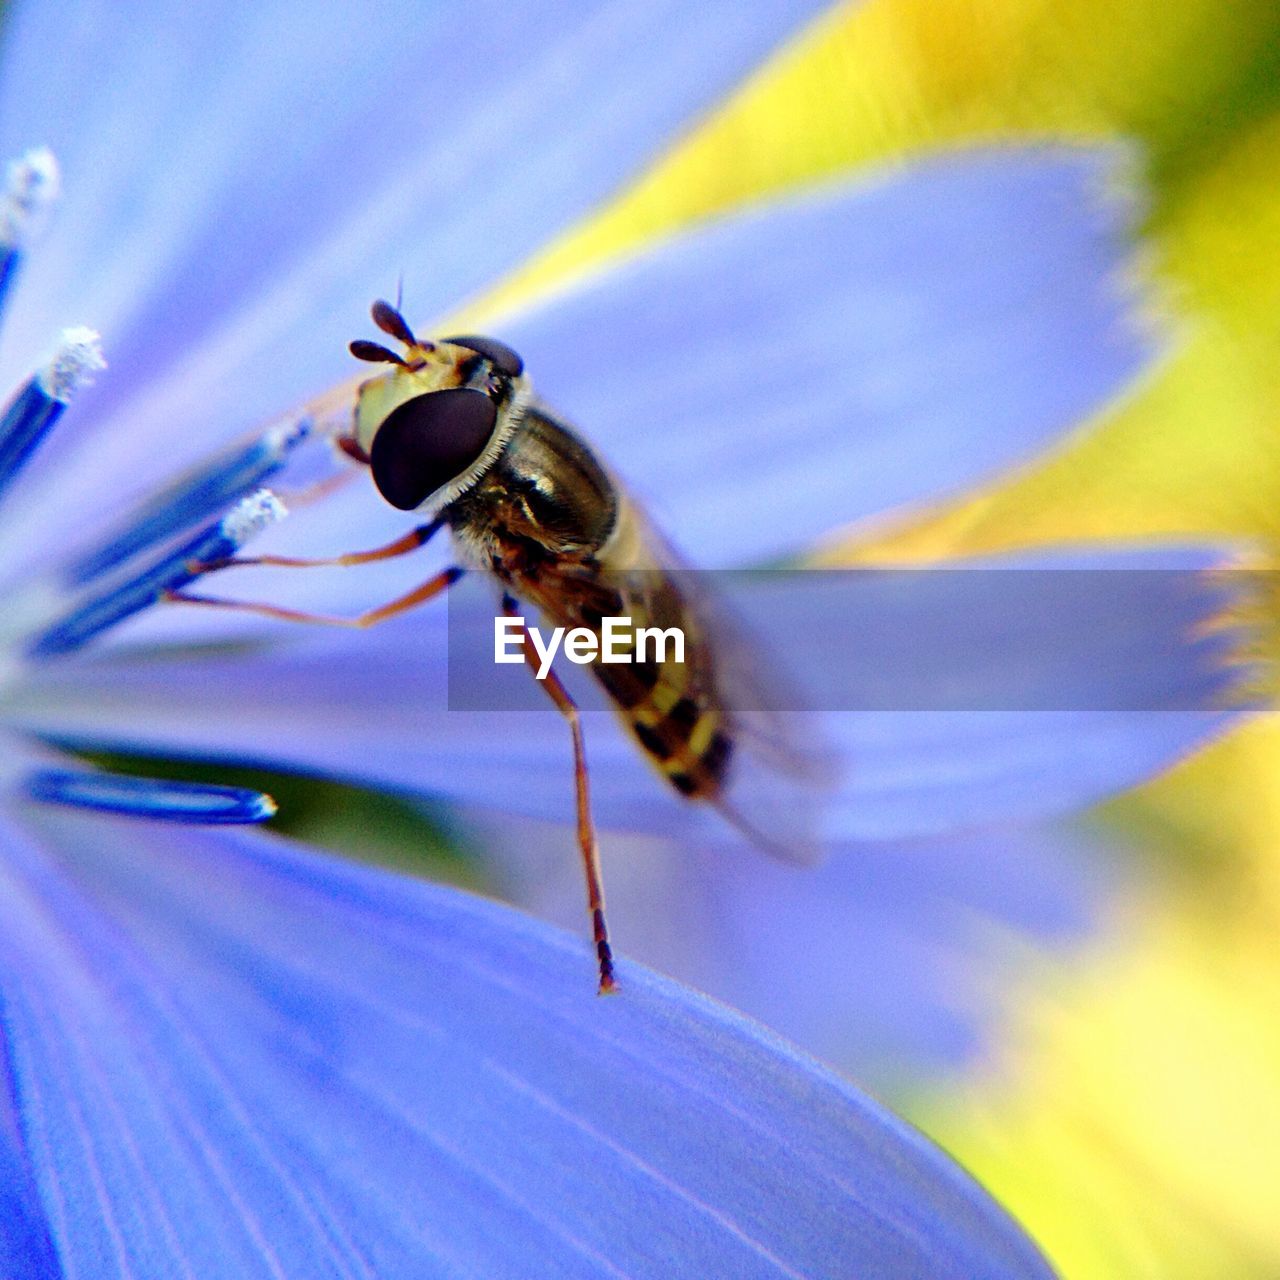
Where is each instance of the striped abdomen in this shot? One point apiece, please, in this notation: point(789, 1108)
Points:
point(672, 707)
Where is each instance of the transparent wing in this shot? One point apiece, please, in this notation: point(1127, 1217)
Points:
point(725, 725)
point(786, 764)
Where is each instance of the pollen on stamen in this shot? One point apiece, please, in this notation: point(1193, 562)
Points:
point(73, 366)
point(31, 187)
point(122, 600)
point(40, 402)
point(251, 515)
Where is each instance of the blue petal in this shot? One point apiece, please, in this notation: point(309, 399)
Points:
point(853, 349)
point(916, 773)
point(816, 361)
point(234, 1059)
point(906, 962)
point(26, 1250)
point(1022, 741)
point(834, 356)
point(236, 189)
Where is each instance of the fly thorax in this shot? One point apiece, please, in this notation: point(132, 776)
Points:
point(549, 486)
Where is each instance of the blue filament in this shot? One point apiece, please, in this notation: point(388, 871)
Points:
point(31, 186)
point(28, 417)
point(26, 421)
point(196, 497)
point(9, 259)
point(170, 573)
point(154, 798)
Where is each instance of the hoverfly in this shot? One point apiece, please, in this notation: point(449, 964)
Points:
point(453, 430)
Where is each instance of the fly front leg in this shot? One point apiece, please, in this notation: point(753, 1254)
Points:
point(587, 841)
point(433, 587)
point(410, 541)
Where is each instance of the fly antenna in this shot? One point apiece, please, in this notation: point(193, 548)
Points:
point(373, 352)
point(389, 320)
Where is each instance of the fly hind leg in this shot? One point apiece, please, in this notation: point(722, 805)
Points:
point(587, 842)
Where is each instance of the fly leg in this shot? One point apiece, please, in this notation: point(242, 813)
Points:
point(411, 541)
point(587, 842)
point(433, 586)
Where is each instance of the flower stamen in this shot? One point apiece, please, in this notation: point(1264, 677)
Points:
point(216, 542)
point(32, 186)
point(198, 496)
point(157, 799)
point(43, 398)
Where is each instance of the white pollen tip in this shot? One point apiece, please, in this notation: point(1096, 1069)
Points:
point(73, 365)
point(32, 185)
point(251, 515)
point(279, 439)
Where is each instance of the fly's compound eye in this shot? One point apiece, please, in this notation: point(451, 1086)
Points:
point(498, 354)
point(429, 441)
